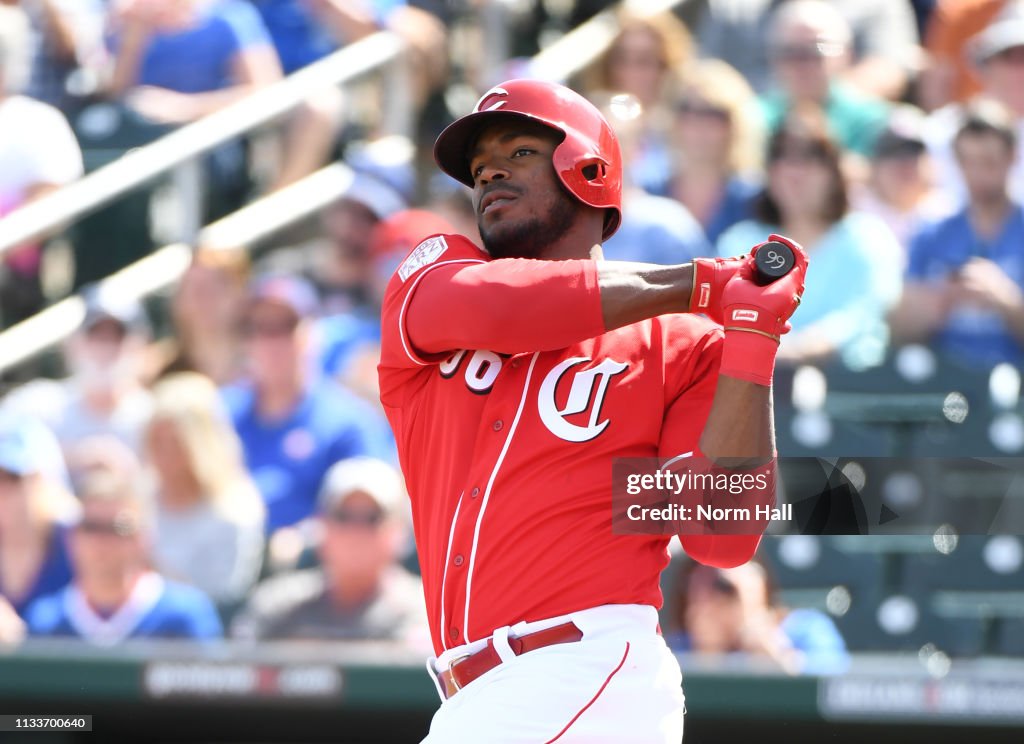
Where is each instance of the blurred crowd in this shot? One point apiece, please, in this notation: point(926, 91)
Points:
point(221, 467)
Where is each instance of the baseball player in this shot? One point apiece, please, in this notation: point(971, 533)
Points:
point(511, 377)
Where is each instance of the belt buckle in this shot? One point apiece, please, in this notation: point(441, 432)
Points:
point(451, 668)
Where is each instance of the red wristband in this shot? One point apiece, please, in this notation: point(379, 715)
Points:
point(749, 355)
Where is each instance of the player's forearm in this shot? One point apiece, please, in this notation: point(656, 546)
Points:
point(631, 292)
point(739, 431)
point(738, 435)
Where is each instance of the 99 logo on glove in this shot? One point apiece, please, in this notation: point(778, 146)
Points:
point(773, 261)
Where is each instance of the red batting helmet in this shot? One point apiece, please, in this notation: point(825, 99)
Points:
point(588, 160)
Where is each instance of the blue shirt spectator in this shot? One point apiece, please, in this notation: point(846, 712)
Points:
point(816, 637)
point(54, 573)
point(289, 456)
point(338, 337)
point(302, 36)
point(35, 509)
point(200, 58)
point(293, 423)
point(114, 595)
point(156, 608)
point(656, 230)
point(852, 281)
point(938, 251)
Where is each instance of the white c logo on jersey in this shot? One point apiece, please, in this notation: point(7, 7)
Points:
point(581, 395)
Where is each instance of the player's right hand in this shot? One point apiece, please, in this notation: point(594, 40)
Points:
point(756, 315)
point(765, 309)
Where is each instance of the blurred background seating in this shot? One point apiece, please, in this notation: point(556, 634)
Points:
point(194, 255)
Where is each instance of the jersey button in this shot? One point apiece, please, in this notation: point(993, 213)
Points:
point(497, 425)
point(475, 492)
point(458, 560)
point(454, 633)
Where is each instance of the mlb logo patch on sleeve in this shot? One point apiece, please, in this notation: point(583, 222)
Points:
point(425, 253)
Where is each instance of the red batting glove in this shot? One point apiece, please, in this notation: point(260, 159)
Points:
point(710, 275)
point(756, 316)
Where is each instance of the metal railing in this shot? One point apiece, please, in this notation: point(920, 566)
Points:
point(180, 149)
point(265, 216)
point(164, 267)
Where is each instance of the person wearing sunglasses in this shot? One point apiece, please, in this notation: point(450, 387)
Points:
point(293, 423)
point(718, 148)
point(810, 53)
point(114, 595)
point(359, 590)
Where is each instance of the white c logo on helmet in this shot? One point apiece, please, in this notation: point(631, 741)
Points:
point(581, 396)
point(494, 106)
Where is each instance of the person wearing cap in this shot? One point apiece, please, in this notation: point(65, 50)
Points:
point(359, 590)
point(997, 54)
point(900, 188)
point(965, 280)
point(293, 423)
point(104, 392)
point(949, 74)
point(36, 511)
point(114, 595)
point(337, 262)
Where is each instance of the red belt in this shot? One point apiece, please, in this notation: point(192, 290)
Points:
point(465, 669)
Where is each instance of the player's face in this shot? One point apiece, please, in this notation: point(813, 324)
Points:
point(521, 205)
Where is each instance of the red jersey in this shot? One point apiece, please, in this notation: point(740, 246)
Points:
point(507, 440)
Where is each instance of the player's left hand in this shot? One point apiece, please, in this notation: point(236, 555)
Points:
point(710, 275)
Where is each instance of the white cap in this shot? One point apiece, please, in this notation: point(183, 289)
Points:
point(376, 478)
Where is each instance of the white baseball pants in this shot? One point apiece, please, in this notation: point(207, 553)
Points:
point(619, 685)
